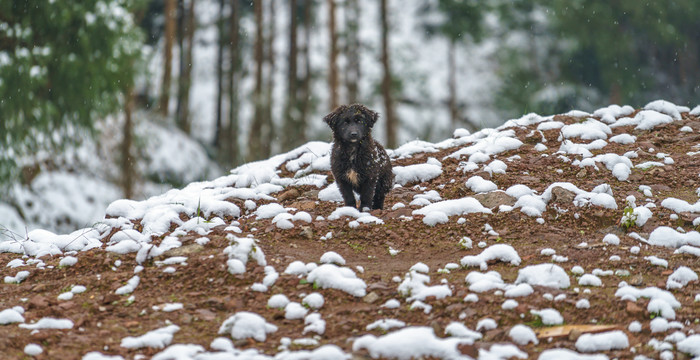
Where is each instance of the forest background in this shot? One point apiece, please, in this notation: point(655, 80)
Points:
point(109, 99)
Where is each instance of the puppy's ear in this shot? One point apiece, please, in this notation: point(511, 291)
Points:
point(332, 118)
point(370, 115)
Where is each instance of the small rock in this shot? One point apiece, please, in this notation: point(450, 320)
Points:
point(622, 273)
point(574, 334)
point(371, 297)
point(563, 196)
point(436, 326)
point(660, 188)
point(132, 324)
point(39, 287)
point(290, 194)
point(311, 194)
point(110, 298)
point(307, 232)
point(636, 280)
point(491, 335)
point(184, 250)
point(205, 314)
point(581, 174)
point(241, 342)
point(453, 308)
point(633, 309)
point(494, 199)
point(379, 285)
point(38, 301)
point(404, 211)
point(522, 308)
point(215, 303)
point(66, 305)
point(360, 357)
point(635, 177)
point(39, 335)
point(186, 318)
point(469, 350)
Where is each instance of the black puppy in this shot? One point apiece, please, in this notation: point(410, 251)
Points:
point(358, 162)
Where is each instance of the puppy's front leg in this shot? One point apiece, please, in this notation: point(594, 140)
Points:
point(346, 190)
point(367, 195)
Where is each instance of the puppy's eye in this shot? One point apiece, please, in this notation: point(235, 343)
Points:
point(347, 121)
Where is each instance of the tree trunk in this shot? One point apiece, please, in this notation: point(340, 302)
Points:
point(305, 95)
point(390, 118)
point(127, 165)
point(170, 15)
point(615, 93)
point(333, 57)
point(352, 50)
point(180, 33)
point(254, 139)
point(186, 45)
point(231, 145)
point(452, 84)
point(269, 126)
point(293, 130)
point(219, 133)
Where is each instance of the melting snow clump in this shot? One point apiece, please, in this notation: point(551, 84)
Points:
point(549, 275)
point(341, 278)
point(612, 340)
point(245, 325)
point(522, 335)
point(502, 252)
point(158, 338)
point(549, 316)
point(409, 343)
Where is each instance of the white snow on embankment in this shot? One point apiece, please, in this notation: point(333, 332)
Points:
point(251, 192)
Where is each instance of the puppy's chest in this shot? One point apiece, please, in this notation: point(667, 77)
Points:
point(357, 167)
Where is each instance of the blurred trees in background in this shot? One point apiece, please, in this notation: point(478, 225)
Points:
point(630, 51)
point(64, 65)
point(558, 55)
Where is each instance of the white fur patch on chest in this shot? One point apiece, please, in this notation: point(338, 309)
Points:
point(351, 175)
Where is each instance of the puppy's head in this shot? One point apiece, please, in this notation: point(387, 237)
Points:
point(351, 123)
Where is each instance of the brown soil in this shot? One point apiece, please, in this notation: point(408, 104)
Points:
point(210, 294)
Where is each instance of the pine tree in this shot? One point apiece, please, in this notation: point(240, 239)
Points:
point(62, 65)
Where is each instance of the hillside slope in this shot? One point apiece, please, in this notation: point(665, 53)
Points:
point(521, 241)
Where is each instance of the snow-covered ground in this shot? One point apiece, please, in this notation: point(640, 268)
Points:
point(250, 193)
point(82, 180)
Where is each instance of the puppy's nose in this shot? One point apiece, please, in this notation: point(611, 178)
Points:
point(353, 135)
